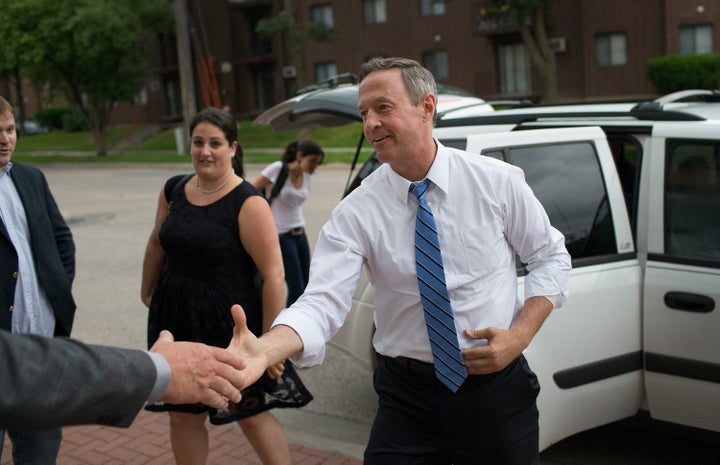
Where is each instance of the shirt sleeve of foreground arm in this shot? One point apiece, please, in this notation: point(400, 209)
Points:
point(334, 273)
point(538, 244)
point(51, 382)
point(162, 380)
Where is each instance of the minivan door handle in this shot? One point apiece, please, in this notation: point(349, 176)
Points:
point(689, 302)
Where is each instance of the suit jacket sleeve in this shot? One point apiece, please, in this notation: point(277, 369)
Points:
point(50, 382)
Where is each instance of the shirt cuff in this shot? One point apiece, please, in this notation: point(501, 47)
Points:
point(162, 380)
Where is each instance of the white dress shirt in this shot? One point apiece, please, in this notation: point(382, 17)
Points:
point(485, 213)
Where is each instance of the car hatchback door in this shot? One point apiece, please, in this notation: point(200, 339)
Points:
point(588, 355)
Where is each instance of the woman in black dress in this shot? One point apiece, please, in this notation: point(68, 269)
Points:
point(215, 244)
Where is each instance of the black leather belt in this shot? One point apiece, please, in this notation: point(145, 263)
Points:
point(296, 231)
point(416, 366)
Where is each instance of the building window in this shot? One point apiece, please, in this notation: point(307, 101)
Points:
point(514, 66)
point(610, 50)
point(437, 63)
point(325, 71)
point(322, 14)
point(374, 11)
point(695, 40)
point(264, 84)
point(173, 98)
point(432, 7)
point(141, 98)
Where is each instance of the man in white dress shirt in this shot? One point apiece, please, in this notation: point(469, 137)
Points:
point(485, 215)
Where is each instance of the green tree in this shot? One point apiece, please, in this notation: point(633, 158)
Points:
point(529, 16)
point(295, 35)
point(92, 51)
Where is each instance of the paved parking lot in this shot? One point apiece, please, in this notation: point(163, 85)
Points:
point(110, 209)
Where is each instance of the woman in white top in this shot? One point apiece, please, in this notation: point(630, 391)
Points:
point(286, 184)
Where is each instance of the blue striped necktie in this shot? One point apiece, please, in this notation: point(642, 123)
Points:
point(449, 366)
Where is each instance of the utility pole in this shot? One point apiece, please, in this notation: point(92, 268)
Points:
point(185, 67)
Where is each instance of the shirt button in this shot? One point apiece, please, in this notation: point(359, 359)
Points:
point(10, 309)
point(14, 274)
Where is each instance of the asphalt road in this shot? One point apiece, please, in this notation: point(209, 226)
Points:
point(111, 208)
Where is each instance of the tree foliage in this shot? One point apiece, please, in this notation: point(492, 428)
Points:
point(672, 73)
point(529, 17)
point(92, 51)
point(296, 33)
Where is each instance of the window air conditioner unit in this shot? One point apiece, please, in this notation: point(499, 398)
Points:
point(557, 44)
point(289, 72)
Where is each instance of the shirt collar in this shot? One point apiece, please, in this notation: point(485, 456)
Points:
point(6, 169)
point(439, 174)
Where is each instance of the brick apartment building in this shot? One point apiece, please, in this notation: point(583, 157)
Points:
point(601, 46)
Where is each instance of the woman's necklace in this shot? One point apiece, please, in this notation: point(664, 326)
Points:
point(214, 189)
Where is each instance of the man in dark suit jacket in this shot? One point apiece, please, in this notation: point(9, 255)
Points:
point(37, 267)
point(49, 382)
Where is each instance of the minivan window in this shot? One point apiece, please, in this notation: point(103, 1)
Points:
point(568, 181)
point(692, 199)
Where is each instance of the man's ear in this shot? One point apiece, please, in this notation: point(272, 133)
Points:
point(429, 103)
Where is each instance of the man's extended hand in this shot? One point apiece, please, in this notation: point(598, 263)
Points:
point(245, 345)
point(200, 373)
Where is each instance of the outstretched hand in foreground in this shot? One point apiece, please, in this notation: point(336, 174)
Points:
point(246, 346)
point(200, 373)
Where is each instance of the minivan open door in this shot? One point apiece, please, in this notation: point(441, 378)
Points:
point(588, 355)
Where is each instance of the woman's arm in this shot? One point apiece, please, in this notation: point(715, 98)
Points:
point(154, 253)
point(259, 237)
point(261, 182)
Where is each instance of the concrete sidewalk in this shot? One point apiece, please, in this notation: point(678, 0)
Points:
point(147, 442)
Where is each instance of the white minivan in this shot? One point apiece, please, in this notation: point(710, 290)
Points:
point(635, 189)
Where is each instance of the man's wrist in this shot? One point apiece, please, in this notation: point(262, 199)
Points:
point(162, 378)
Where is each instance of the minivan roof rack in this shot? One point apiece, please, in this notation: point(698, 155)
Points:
point(690, 95)
point(330, 83)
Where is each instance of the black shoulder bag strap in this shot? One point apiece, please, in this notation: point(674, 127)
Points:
point(173, 184)
point(279, 182)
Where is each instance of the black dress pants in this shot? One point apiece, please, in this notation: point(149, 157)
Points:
point(492, 419)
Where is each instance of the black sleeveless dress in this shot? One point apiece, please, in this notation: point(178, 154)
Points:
point(206, 271)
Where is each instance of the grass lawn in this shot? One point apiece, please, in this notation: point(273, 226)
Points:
point(261, 144)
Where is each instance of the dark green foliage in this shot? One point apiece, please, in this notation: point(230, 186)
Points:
point(672, 73)
point(73, 121)
point(51, 117)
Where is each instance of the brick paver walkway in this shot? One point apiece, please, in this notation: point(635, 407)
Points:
point(147, 442)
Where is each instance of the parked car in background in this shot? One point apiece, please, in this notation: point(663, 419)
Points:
point(635, 189)
point(32, 128)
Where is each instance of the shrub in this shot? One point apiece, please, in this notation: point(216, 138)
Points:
point(73, 121)
point(672, 73)
point(51, 117)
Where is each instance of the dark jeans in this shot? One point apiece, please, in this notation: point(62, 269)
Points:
point(492, 419)
point(296, 259)
point(34, 447)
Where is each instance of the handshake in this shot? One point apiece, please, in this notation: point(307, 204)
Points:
point(109, 385)
point(211, 375)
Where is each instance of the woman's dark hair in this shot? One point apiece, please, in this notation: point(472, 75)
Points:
point(290, 153)
point(310, 147)
point(225, 122)
point(237, 162)
point(306, 147)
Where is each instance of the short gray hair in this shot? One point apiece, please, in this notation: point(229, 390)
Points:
point(418, 80)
